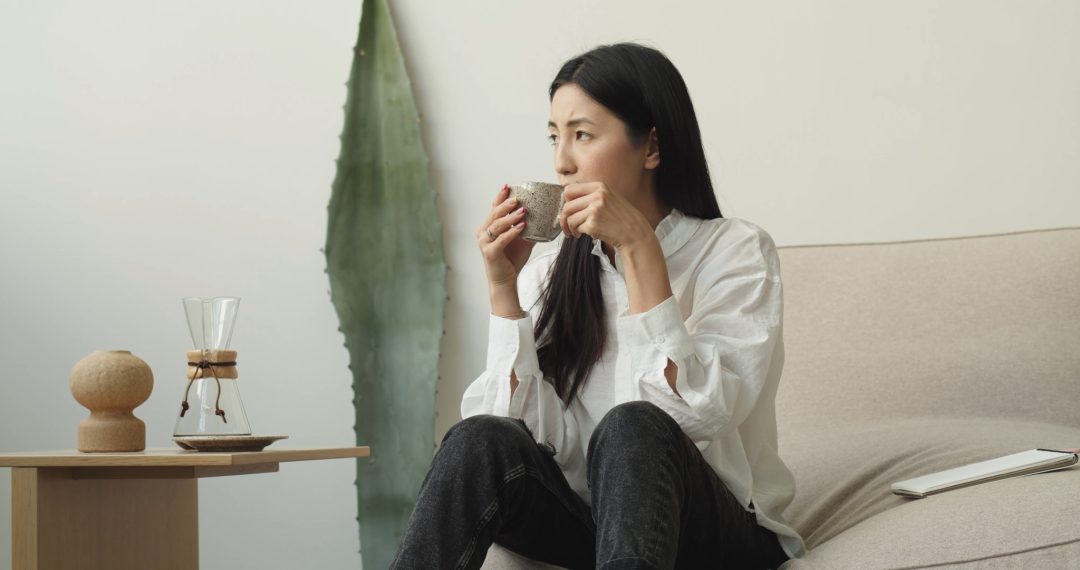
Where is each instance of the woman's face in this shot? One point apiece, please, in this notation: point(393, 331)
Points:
point(592, 145)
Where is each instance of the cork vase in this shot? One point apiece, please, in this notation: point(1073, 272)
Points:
point(111, 384)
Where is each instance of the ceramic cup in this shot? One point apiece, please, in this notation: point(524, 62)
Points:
point(543, 201)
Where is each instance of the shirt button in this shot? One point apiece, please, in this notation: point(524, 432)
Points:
point(510, 348)
point(660, 339)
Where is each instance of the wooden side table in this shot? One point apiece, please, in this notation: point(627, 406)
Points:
point(122, 511)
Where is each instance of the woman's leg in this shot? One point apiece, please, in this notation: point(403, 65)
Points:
point(490, 482)
point(659, 505)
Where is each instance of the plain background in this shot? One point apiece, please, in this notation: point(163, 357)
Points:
point(155, 150)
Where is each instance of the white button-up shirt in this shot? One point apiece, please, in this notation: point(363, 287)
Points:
point(723, 329)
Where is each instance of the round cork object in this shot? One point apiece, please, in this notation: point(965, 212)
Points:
point(111, 384)
point(543, 201)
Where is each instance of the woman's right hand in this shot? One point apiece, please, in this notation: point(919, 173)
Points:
point(499, 238)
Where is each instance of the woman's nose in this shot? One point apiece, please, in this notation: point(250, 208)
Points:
point(564, 162)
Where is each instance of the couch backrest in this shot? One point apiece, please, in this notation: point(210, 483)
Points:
point(983, 326)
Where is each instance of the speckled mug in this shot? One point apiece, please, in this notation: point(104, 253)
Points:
point(543, 201)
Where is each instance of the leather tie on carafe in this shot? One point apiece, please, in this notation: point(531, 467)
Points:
point(206, 364)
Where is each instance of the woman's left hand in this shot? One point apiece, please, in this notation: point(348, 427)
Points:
point(592, 208)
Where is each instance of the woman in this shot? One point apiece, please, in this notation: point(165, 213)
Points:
point(650, 374)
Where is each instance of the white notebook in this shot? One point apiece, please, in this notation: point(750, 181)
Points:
point(1023, 463)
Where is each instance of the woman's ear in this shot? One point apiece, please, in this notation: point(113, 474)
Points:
point(652, 151)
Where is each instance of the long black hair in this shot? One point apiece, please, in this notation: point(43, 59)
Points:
point(642, 87)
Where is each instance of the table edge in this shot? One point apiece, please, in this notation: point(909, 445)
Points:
point(160, 457)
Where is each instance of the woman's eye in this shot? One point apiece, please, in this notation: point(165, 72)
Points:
point(583, 136)
point(552, 139)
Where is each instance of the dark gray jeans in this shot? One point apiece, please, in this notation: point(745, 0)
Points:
point(656, 503)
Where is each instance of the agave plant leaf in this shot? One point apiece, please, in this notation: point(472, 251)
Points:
point(387, 281)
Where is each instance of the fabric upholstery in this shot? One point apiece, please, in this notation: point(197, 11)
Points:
point(908, 358)
point(1003, 523)
point(974, 327)
point(849, 485)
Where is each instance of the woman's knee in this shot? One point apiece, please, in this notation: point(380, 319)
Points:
point(634, 423)
point(486, 434)
point(636, 415)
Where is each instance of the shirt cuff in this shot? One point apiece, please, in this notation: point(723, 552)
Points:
point(655, 336)
point(512, 346)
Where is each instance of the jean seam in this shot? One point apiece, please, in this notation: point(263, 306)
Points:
point(515, 473)
point(654, 547)
point(485, 518)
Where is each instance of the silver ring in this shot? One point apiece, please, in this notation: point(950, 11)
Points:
point(490, 235)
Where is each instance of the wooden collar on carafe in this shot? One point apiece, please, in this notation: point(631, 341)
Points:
point(208, 363)
point(216, 364)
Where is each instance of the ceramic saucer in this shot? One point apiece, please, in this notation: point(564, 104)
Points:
point(223, 443)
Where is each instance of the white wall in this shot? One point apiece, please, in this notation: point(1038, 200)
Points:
point(133, 134)
point(134, 137)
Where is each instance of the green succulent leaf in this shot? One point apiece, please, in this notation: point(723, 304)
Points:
point(387, 281)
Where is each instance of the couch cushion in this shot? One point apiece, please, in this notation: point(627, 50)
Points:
point(843, 477)
point(499, 558)
point(968, 327)
point(1023, 522)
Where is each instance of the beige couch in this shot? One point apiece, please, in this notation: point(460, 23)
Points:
point(911, 357)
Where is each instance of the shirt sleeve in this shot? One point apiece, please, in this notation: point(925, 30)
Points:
point(490, 393)
point(512, 347)
point(723, 350)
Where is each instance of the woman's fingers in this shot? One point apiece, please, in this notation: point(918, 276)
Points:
point(502, 206)
point(500, 225)
point(510, 234)
point(565, 213)
point(577, 190)
point(569, 210)
point(503, 231)
point(575, 220)
point(503, 223)
point(501, 195)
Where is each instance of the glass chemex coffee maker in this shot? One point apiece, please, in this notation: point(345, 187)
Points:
point(211, 415)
